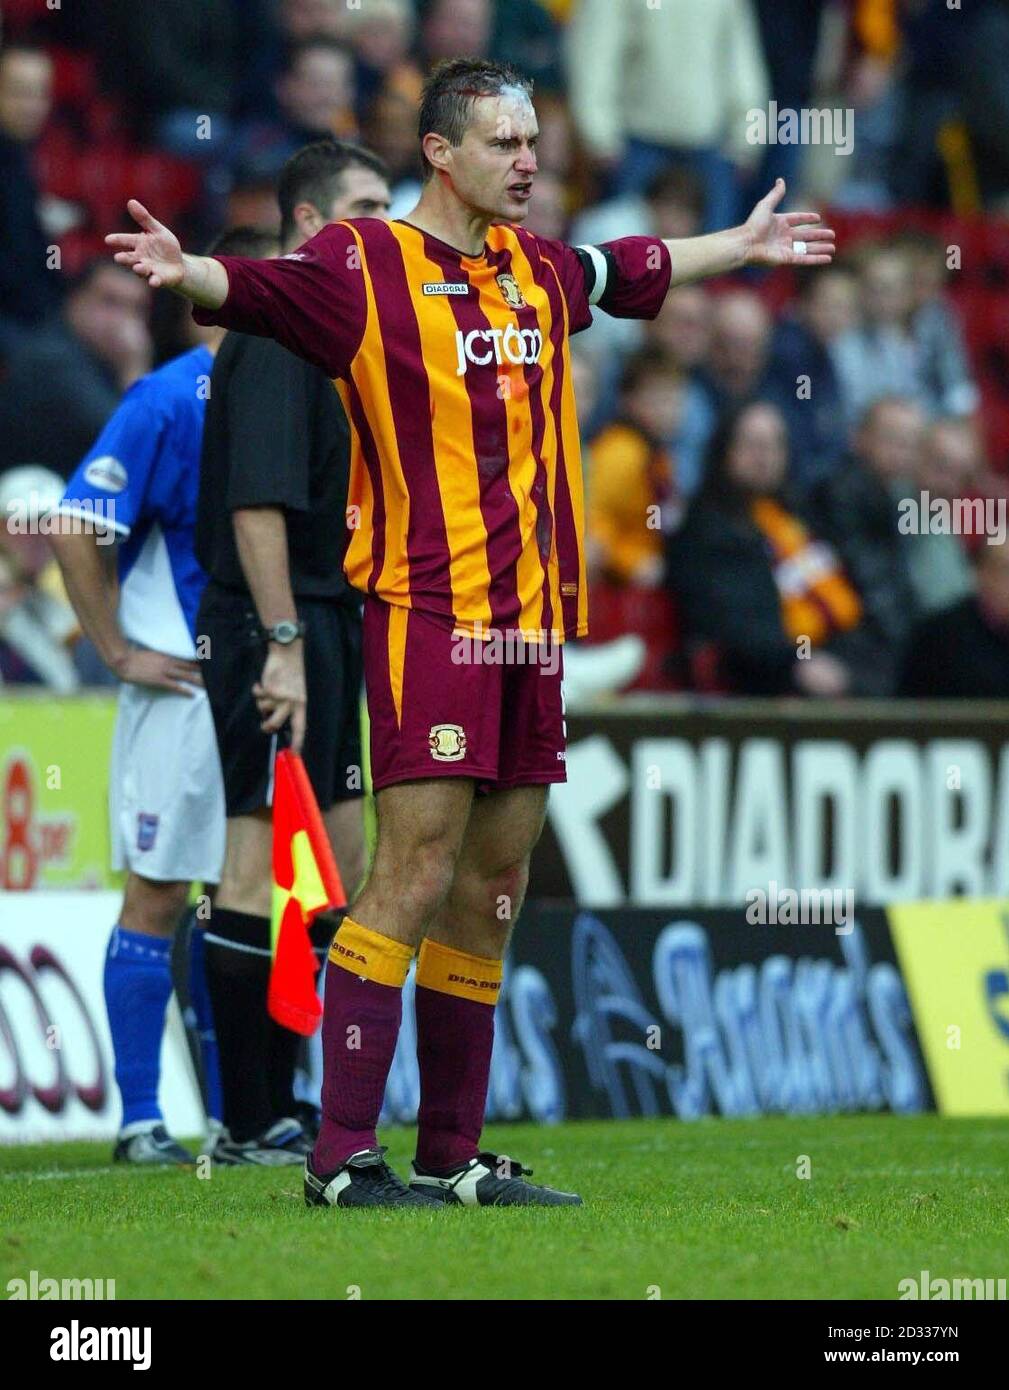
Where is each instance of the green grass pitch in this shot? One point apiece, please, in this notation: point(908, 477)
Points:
point(673, 1210)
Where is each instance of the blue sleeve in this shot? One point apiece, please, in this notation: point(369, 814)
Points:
point(111, 481)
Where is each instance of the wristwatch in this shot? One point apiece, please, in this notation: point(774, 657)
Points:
point(285, 632)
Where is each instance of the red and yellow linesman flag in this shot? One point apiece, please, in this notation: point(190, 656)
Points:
point(305, 881)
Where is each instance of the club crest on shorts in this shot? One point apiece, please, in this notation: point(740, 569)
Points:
point(447, 742)
point(147, 829)
point(509, 287)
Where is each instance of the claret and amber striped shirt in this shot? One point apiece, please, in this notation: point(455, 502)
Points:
point(465, 497)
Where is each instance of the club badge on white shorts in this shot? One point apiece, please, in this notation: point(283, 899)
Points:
point(147, 830)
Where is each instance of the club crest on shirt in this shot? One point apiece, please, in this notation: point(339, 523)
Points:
point(447, 742)
point(106, 473)
point(147, 830)
point(509, 288)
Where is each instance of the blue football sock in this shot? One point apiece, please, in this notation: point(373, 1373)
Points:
point(199, 999)
point(138, 983)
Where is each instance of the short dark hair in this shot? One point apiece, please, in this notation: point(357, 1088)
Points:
point(313, 175)
point(253, 242)
point(647, 362)
point(674, 183)
point(718, 489)
point(83, 277)
point(450, 92)
point(809, 281)
point(918, 239)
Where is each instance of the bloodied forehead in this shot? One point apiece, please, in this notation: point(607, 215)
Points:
point(505, 115)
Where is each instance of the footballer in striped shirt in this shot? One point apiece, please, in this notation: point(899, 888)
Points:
point(447, 335)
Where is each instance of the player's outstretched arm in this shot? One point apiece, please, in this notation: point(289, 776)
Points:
point(155, 254)
point(767, 238)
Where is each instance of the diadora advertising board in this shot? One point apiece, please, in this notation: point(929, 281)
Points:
point(669, 806)
point(665, 805)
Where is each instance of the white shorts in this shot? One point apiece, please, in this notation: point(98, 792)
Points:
point(166, 796)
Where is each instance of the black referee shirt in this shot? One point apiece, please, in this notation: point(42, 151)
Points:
point(275, 435)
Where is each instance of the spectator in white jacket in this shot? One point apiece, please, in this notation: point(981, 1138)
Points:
point(37, 624)
point(669, 82)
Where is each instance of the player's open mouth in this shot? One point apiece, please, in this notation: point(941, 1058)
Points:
point(522, 191)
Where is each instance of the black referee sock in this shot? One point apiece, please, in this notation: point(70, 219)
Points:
point(283, 1051)
point(238, 976)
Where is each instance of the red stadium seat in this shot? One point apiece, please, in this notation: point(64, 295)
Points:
point(106, 120)
point(79, 247)
point(114, 172)
point(75, 78)
point(19, 15)
point(995, 429)
point(58, 162)
point(172, 184)
point(107, 180)
point(652, 615)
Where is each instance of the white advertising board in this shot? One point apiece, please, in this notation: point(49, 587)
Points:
point(57, 1072)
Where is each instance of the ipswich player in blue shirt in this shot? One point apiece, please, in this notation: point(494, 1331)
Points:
point(137, 487)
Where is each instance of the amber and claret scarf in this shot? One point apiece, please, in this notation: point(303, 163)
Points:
point(817, 599)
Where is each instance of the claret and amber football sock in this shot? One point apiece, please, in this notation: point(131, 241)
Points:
point(456, 995)
point(360, 1026)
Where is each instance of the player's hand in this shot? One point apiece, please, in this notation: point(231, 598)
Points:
point(772, 237)
point(280, 692)
point(141, 666)
point(154, 252)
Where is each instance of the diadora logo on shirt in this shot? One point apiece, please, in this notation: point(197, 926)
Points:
point(444, 287)
point(107, 473)
point(447, 742)
point(481, 346)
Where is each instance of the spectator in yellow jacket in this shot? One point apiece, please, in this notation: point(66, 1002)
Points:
point(632, 495)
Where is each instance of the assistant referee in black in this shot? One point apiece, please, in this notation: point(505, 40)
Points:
point(282, 632)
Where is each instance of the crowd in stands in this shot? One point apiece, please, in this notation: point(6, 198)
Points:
point(768, 464)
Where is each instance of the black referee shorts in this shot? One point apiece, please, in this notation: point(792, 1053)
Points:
point(333, 675)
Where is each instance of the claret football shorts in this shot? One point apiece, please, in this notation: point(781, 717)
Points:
point(442, 704)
